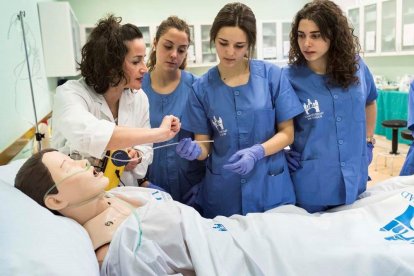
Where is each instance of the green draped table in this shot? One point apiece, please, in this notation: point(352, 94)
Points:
point(391, 105)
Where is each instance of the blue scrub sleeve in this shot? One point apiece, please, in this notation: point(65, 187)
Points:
point(194, 118)
point(287, 104)
point(371, 89)
point(411, 107)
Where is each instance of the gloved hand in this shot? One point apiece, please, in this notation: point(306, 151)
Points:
point(370, 147)
point(242, 162)
point(293, 160)
point(153, 186)
point(190, 197)
point(188, 149)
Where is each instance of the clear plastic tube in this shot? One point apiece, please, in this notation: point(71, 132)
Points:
point(162, 146)
point(136, 216)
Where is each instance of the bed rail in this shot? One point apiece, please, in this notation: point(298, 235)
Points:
point(11, 151)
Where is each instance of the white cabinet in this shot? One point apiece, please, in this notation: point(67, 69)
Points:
point(191, 52)
point(389, 26)
point(354, 18)
point(384, 27)
point(286, 27)
point(273, 42)
point(85, 31)
point(370, 29)
point(60, 39)
point(148, 34)
point(407, 25)
point(208, 51)
point(268, 49)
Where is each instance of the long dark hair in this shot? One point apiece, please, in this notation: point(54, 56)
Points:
point(104, 53)
point(344, 48)
point(236, 15)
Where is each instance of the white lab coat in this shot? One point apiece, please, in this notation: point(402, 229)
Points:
point(82, 121)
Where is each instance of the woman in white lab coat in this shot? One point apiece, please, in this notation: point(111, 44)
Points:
point(105, 109)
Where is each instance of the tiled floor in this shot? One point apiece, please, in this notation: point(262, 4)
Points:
point(384, 164)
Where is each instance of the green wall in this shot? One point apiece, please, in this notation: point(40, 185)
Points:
point(16, 111)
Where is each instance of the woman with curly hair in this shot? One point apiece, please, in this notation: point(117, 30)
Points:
point(104, 109)
point(333, 142)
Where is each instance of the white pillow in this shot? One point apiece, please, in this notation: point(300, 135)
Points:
point(8, 172)
point(33, 241)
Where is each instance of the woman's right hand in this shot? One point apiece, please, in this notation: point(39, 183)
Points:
point(172, 124)
point(188, 149)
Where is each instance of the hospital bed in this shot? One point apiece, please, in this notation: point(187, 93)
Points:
point(33, 241)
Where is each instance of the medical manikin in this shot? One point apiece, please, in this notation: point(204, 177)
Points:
point(164, 237)
point(74, 189)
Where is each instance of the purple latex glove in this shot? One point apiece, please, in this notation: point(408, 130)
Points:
point(190, 197)
point(153, 186)
point(293, 160)
point(242, 162)
point(370, 147)
point(188, 149)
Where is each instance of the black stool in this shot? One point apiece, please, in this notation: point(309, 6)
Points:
point(406, 134)
point(395, 125)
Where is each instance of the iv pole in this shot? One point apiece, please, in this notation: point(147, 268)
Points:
point(38, 135)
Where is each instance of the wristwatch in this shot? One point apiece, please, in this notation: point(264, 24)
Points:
point(142, 181)
point(371, 140)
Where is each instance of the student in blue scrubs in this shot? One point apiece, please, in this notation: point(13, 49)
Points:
point(247, 108)
point(334, 136)
point(408, 167)
point(167, 86)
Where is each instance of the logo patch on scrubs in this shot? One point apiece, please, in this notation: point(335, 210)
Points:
point(312, 110)
point(219, 227)
point(401, 227)
point(218, 124)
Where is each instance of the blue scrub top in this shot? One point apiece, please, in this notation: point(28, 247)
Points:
point(172, 173)
point(408, 167)
point(331, 137)
point(237, 118)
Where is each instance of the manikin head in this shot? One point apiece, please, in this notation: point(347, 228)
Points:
point(57, 182)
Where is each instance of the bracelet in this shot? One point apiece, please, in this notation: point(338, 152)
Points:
point(371, 140)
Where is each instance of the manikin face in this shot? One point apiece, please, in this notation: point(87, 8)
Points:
point(134, 65)
point(231, 45)
point(76, 181)
point(313, 47)
point(171, 49)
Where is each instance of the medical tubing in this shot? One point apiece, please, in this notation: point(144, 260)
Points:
point(87, 167)
point(134, 212)
point(83, 202)
point(162, 146)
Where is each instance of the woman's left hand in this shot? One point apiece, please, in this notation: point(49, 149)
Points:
point(242, 162)
point(136, 159)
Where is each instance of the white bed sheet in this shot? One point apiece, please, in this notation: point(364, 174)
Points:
point(345, 241)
